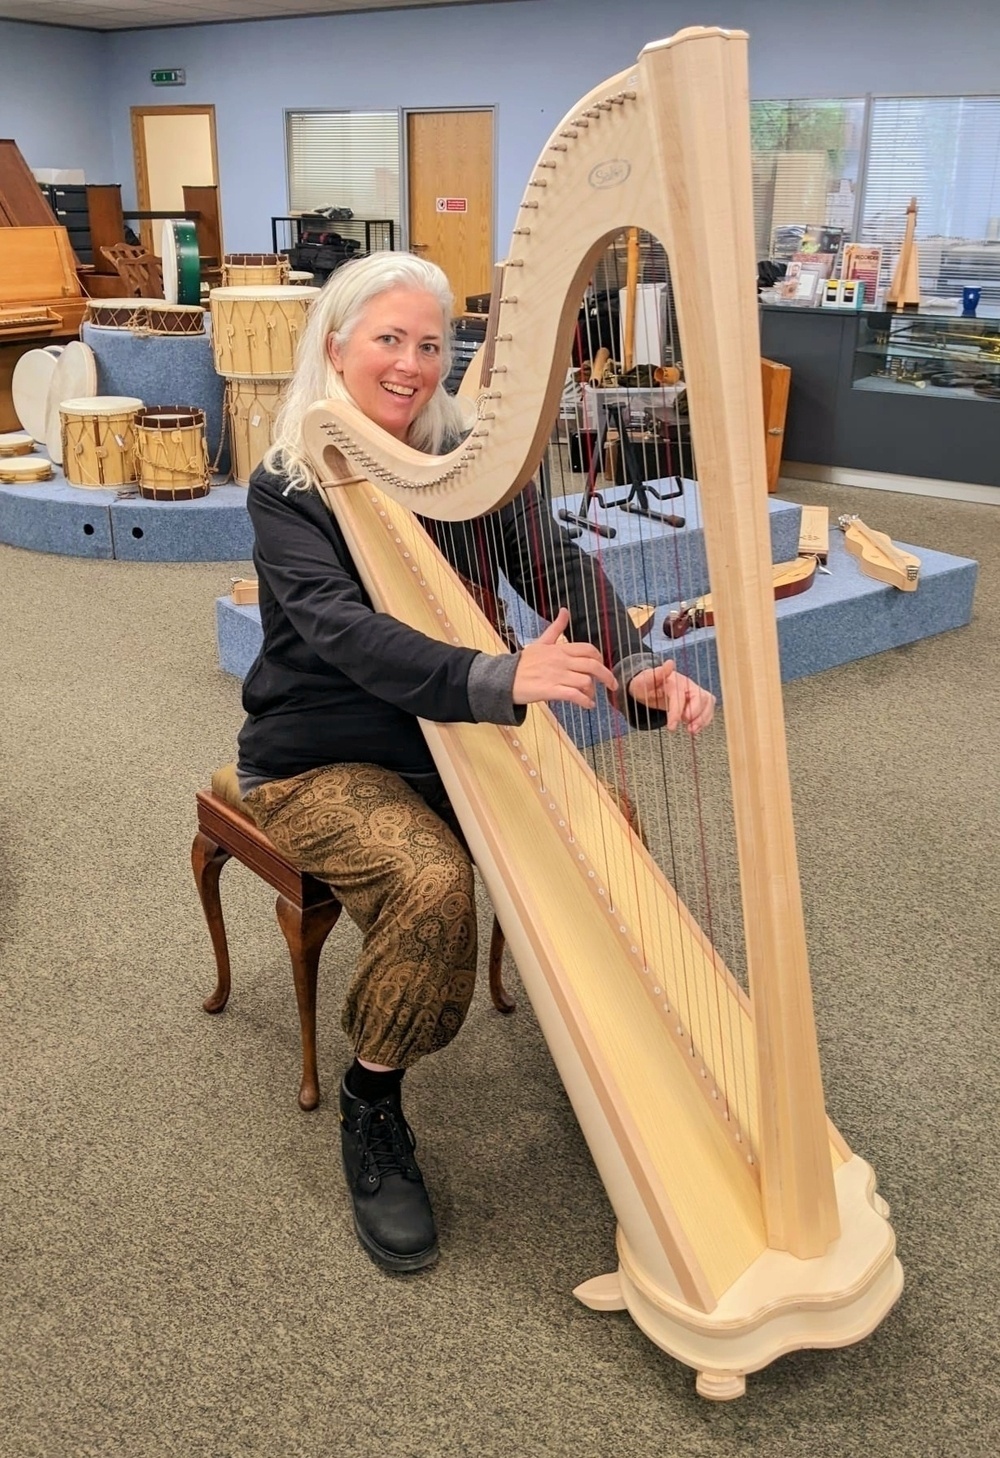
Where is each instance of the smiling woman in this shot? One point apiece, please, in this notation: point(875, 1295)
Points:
point(391, 362)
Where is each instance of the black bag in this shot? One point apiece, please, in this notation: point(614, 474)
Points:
point(334, 252)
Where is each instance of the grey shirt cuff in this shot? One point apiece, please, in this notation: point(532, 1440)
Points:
point(633, 664)
point(491, 689)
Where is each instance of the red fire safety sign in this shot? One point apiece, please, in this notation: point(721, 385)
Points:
point(452, 204)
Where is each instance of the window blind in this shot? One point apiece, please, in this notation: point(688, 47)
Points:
point(806, 164)
point(945, 152)
point(344, 159)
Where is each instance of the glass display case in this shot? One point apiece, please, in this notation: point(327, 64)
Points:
point(935, 354)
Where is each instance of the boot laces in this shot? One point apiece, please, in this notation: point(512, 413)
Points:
point(387, 1142)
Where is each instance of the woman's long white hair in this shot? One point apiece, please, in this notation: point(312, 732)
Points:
point(336, 312)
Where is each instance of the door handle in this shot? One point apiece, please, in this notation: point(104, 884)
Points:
point(419, 247)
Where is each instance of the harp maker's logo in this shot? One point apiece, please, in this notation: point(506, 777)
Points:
point(609, 174)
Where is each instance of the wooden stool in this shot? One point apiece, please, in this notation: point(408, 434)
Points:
point(307, 911)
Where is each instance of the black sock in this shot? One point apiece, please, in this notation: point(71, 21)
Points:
point(365, 1083)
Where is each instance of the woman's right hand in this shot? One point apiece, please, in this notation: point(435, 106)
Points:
point(550, 669)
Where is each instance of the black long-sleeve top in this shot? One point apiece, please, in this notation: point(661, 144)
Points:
point(337, 682)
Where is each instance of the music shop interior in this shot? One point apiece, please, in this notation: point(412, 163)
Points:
point(713, 1158)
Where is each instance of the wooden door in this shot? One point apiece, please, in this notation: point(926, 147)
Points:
point(450, 189)
point(174, 147)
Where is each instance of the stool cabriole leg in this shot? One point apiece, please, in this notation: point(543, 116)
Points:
point(207, 861)
point(305, 930)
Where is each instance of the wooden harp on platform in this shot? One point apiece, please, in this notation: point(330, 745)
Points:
point(746, 1227)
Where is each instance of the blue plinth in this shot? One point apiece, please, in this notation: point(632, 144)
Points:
point(76, 521)
point(843, 616)
point(648, 561)
point(215, 528)
point(50, 516)
point(238, 635)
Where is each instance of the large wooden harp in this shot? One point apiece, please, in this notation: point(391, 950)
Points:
point(746, 1227)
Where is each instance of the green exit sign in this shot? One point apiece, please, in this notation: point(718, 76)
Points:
point(167, 78)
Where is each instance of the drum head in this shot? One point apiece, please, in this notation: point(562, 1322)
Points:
point(181, 263)
point(16, 443)
point(267, 292)
point(101, 405)
point(75, 375)
point(29, 388)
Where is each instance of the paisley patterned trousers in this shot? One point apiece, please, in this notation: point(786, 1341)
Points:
point(405, 879)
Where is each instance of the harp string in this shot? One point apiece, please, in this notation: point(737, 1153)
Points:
point(688, 837)
point(678, 822)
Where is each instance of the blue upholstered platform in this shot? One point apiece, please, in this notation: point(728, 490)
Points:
point(648, 561)
point(73, 521)
point(53, 516)
point(842, 617)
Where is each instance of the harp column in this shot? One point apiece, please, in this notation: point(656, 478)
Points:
point(701, 131)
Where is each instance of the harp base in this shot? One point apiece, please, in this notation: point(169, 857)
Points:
point(780, 1304)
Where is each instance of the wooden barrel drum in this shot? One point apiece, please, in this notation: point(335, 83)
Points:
point(171, 456)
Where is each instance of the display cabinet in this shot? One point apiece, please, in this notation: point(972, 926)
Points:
point(935, 354)
point(900, 393)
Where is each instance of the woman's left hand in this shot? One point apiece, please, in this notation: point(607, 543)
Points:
point(679, 697)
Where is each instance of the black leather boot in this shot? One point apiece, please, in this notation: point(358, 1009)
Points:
point(392, 1212)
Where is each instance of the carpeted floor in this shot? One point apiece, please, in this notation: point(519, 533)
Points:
point(180, 1276)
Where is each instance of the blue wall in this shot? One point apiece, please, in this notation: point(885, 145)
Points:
point(54, 97)
point(69, 92)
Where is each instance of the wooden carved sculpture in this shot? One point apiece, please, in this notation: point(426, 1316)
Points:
point(746, 1227)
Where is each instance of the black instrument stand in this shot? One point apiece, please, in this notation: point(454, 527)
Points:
point(639, 492)
point(581, 519)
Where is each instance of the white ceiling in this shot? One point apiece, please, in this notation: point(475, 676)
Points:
point(140, 14)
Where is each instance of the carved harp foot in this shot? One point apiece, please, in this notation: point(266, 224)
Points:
point(721, 1386)
point(780, 1304)
point(601, 1293)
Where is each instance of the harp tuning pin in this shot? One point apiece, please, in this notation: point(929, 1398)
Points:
point(529, 205)
point(538, 182)
point(559, 146)
point(515, 263)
